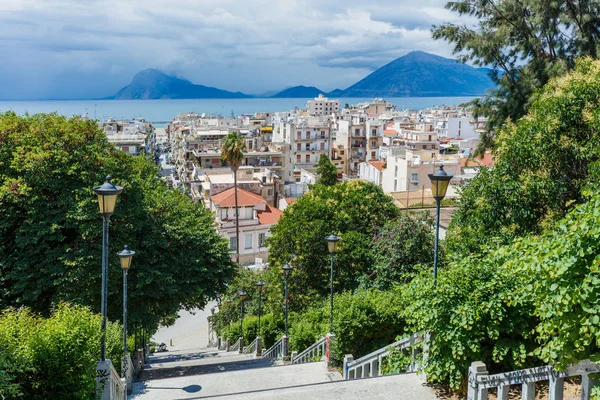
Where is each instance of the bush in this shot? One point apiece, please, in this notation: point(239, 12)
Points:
point(54, 357)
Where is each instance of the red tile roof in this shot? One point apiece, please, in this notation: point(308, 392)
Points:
point(378, 164)
point(390, 132)
point(487, 160)
point(290, 200)
point(245, 198)
point(269, 216)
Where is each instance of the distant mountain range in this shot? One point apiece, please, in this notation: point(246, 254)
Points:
point(417, 74)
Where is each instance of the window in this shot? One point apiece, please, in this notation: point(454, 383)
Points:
point(433, 155)
point(373, 154)
point(298, 158)
point(357, 131)
point(249, 213)
point(307, 146)
point(342, 152)
point(261, 239)
point(424, 147)
point(269, 192)
point(429, 138)
point(248, 241)
point(233, 243)
point(373, 132)
point(299, 135)
point(223, 213)
point(395, 186)
point(298, 146)
point(459, 122)
point(373, 144)
point(307, 158)
point(395, 172)
point(414, 177)
point(322, 146)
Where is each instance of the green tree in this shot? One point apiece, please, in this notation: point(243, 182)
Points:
point(525, 43)
point(232, 151)
point(354, 210)
point(542, 162)
point(51, 230)
point(327, 171)
point(400, 247)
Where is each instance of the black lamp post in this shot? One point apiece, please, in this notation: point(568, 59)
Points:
point(125, 256)
point(287, 269)
point(259, 286)
point(332, 241)
point(242, 295)
point(439, 185)
point(211, 325)
point(107, 200)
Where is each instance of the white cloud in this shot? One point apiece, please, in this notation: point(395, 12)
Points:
point(94, 47)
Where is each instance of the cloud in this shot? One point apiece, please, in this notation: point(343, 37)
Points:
point(252, 46)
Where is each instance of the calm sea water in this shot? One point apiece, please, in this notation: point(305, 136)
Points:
point(165, 110)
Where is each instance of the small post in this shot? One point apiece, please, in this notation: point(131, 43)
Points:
point(348, 358)
point(258, 349)
point(476, 370)
point(294, 355)
point(556, 386)
point(284, 347)
point(423, 196)
point(407, 197)
point(228, 344)
point(241, 345)
point(171, 343)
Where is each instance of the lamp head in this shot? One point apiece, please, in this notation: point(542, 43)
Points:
point(260, 285)
point(439, 183)
point(332, 242)
point(242, 295)
point(125, 256)
point(107, 196)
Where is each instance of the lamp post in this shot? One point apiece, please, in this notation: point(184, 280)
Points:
point(287, 269)
point(259, 286)
point(125, 256)
point(211, 325)
point(229, 301)
point(332, 241)
point(107, 200)
point(242, 295)
point(439, 185)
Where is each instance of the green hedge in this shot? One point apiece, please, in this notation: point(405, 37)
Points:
point(271, 330)
point(54, 357)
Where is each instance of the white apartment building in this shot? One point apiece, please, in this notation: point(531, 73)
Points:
point(323, 106)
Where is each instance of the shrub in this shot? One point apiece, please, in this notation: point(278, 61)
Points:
point(55, 357)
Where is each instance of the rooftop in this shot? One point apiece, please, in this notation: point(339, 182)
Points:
point(269, 216)
point(378, 164)
point(245, 198)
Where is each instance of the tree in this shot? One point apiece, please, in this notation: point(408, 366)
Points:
point(542, 164)
point(525, 43)
point(354, 210)
point(232, 151)
point(400, 247)
point(326, 171)
point(51, 230)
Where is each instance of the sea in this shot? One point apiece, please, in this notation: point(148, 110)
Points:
point(160, 112)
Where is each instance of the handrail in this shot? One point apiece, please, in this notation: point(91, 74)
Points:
point(274, 351)
point(314, 350)
point(236, 346)
point(370, 365)
point(251, 347)
point(480, 382)
point(108, 382)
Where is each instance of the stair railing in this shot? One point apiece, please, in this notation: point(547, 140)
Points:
point(370, 365)
point(109, 384)
point(236, 346)
point(251, 347)
point(277, 350)
point(314, 351)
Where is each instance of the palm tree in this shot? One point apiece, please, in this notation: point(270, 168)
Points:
point(232, 150)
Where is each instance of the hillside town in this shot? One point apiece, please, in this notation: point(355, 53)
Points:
point(375, 142)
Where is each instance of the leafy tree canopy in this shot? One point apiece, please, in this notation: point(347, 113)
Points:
point(525, 43)
point(542, 163)
point(327, 171)
point(354, 210)
point(51, 230)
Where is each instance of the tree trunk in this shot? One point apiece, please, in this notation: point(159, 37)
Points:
point(237, 219)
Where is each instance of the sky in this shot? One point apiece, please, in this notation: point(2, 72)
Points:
point(58, 49)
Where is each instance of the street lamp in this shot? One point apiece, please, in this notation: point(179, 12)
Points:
point(259, 285)
point(125, 256)
point(107, 200)
point(287, 269)
point(439, 185)
point(332, 242)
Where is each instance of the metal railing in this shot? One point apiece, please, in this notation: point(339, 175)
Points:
point(251, 347)
point(236, 346)
point(108, 383)
point(315, 350)
point(275, 351)
point(370, 365)
point(480, 382)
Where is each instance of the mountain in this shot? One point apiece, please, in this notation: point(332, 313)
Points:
point(297, 92)
point(154, 84)
point(420, 74)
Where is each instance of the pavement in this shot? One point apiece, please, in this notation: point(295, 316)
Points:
point(189, 370)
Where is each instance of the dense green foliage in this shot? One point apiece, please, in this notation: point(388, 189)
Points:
point(326, 171)
point(53, 358)
point(541, 165)
point(51, 230)
point(355, 211)
point(525, 43)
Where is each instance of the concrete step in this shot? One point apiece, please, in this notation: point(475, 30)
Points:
point(236, 378)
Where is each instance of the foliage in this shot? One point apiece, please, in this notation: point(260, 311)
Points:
point(396, 362)
point(363, 321)
point(54, 357)
point(541, 164)
point(326, 171)
point(355, 211)
point(51, 230)
point(525, 43)
point(400, 246)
